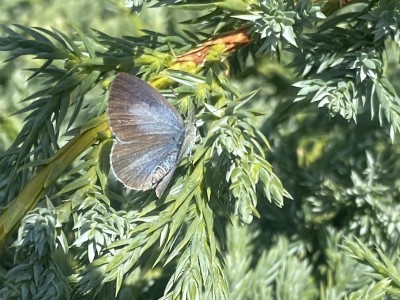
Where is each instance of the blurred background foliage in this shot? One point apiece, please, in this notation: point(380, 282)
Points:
point(341, 171)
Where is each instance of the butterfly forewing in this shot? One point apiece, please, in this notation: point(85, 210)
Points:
point(149, 132)
point(136, 109)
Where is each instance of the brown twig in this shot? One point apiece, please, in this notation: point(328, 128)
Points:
point(231, 41)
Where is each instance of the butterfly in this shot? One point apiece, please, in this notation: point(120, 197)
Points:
point(151, 135)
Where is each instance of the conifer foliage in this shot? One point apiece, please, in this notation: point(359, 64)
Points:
point(291, 190)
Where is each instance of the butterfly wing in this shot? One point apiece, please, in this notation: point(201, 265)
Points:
point(187, 143)
point(149, 134)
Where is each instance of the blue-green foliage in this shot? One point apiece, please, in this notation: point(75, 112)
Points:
point(38, 274)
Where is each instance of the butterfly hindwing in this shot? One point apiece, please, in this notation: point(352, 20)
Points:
point(137, 168)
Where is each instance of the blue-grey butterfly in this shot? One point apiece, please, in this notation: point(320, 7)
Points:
point(151, 135)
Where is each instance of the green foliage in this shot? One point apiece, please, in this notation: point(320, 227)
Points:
point(261, 139)
point(382, 267)
point(37, 276)
point(280, 272)
point(352, 74)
